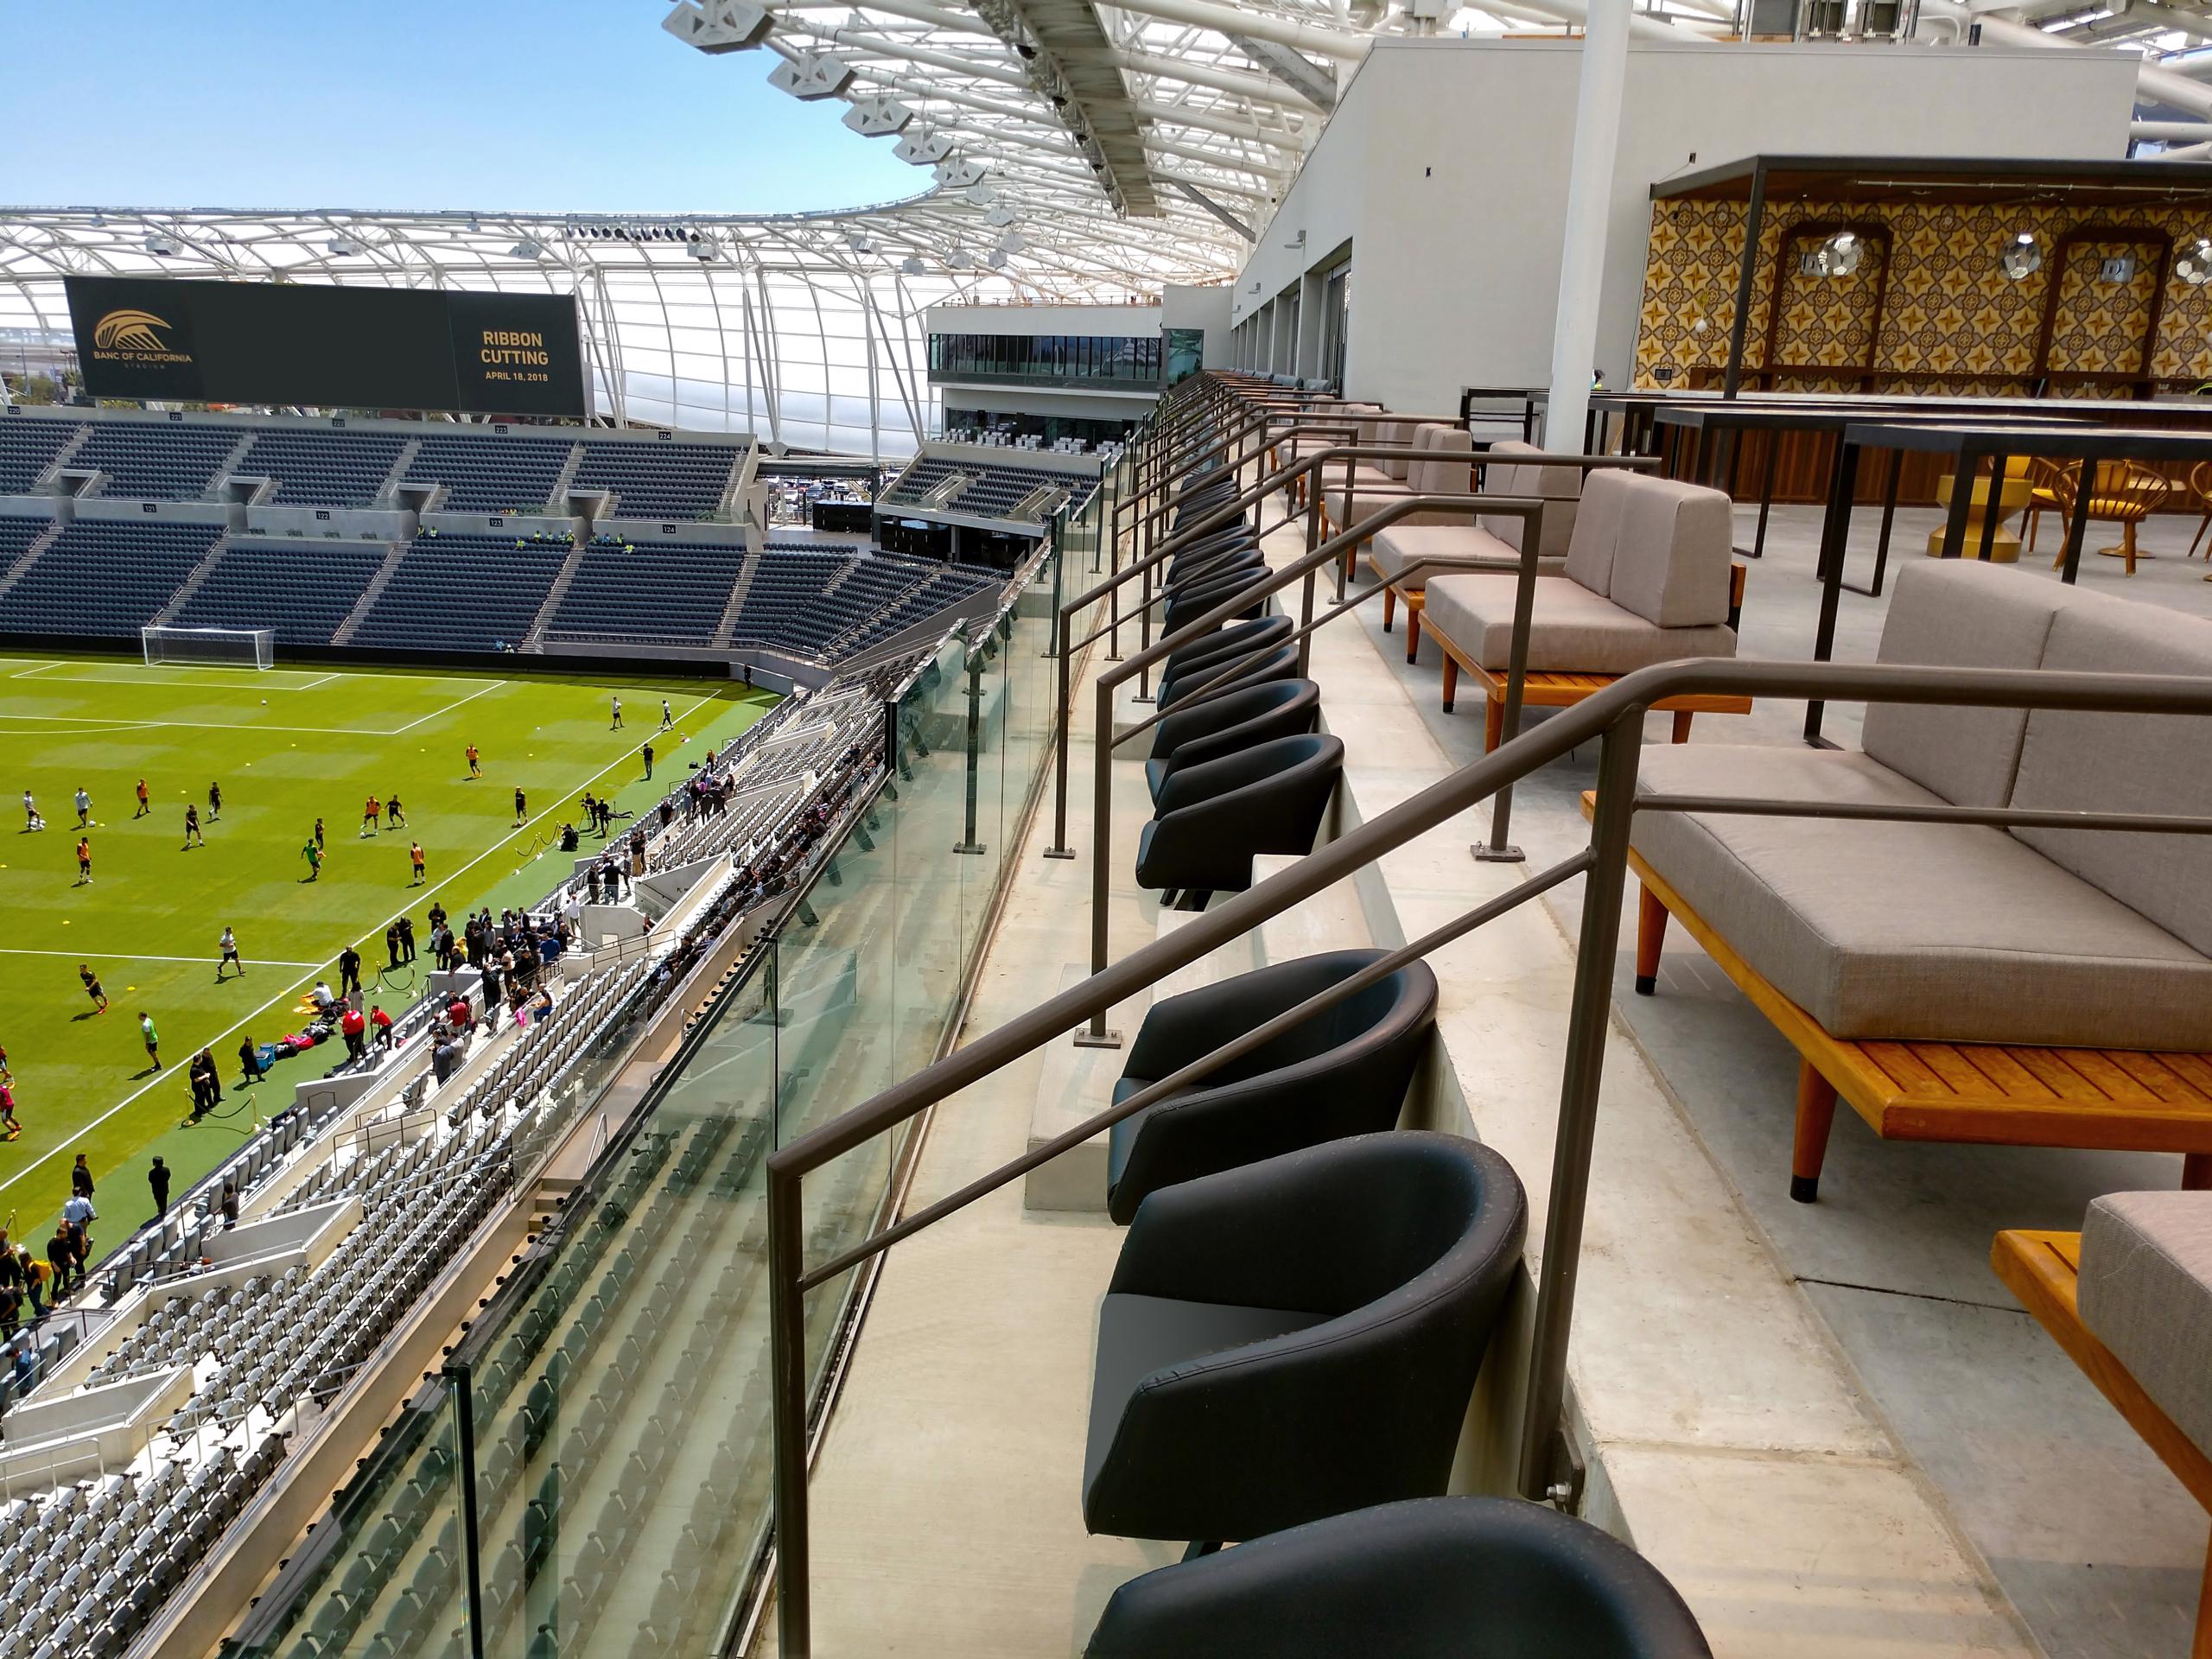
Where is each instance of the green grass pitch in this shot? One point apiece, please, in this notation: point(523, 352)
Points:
point(287, 744)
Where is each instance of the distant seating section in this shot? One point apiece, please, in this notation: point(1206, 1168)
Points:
point(993, 491)
point(15, 537)
point(488, 472)
point(463, 592)
point(323, 466)
point(784, 609)
point(301, 589)
point(918, 479)
point(661, 593)
point(104, 577)
point(155, 462)
point(661, 480)
point(28, 448)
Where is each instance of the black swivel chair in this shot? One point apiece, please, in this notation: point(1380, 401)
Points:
point(1182, 574)
point(1435, 1578)
point(1214, 726)
point(1212, 820)
point(1186, 606)
point(1236, 670)
point(1298, 1337)
point(1185, 662)
point(1341, 1072)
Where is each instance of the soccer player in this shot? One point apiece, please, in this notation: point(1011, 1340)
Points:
point(84, 860)
point(394, 814)
point(313, 853)
point(145, 805)
point(31, 819)
point(230, 946)
point(153, 1038)
point(415, 855)
point(372, 810)
point(615, 704)
point(318, 835)
point(667, 719)
point(192, 835)
point(84, 808)
point(475, 769)
point(214, 803)
point(92, 987)
point(522, 807)
point(7, 1112)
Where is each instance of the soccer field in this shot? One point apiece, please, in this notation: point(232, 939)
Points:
point(287, 746)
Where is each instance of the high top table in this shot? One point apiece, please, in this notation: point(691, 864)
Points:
point(1968, 445)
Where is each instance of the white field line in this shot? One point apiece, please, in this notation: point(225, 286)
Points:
point(489, 685)
point(257, 726)
point(237, 1025)
point(36, 668)
point(126, 955)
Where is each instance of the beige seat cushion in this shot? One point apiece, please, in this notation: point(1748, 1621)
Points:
point(1561, 487)
point(1945, 933)
point(1394, 549)
point(2146, 1293)
point(1571, 628)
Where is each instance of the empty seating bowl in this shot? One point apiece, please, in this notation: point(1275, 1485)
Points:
point(1340, 1072)
point(1298, 1337)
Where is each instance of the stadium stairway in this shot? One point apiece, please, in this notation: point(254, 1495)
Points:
point(190, 585)
point(579, 545)
point(400, 463)
point(61, 458)
point(23, 561)
point(726, 628)
point(371, 593)
point(229, 465)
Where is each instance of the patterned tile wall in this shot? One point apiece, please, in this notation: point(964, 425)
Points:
point(1951, 320)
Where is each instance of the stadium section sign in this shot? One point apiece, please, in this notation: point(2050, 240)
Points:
point(336, 348)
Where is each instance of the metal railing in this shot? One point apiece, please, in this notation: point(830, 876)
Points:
point(1614, 716)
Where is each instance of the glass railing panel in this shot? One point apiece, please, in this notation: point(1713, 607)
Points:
point(385, 1572)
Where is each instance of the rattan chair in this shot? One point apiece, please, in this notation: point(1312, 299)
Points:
point(2200, 492)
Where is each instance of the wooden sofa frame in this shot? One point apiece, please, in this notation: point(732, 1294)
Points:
point(1993, 1094)
point(2044, 1271)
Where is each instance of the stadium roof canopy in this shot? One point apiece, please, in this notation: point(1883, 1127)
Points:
point(1065, 150)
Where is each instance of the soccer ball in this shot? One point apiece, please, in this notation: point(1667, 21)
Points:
point(264, 703)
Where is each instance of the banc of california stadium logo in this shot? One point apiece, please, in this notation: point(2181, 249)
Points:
point(135, 336)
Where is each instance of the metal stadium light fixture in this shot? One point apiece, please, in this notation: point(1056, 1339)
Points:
point(911, 265)
point(858, 242)
point(959, 173)
point(161, 246)
point(702, 249)
point(718, 26)
point(344, 246)
point(878, 117)
point(996, 259)
point(957, 257)
point(526, 249)
point(1000, 214)
point(809, 78)
point(2194, 264)
point(2021, 259)
point(923, 149)
point(982, 195)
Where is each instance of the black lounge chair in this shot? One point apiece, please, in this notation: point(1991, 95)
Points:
point(1186, 606)
point(1183, 576)
point(1342, 1072)
point(1298, 1337)
point(1214, 726)
point(1235, 670)
point(1436, 1577)
point(1212, 819)
point(1192, 665)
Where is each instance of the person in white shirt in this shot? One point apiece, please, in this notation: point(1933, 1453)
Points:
point(84, 808)
point(31, 819)
point(230, 945)
point(323, 1000)
point(615, 706)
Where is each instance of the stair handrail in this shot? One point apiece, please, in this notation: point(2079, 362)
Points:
point(1614, 716)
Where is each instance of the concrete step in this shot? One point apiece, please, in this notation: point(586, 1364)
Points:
point(1077, 1082)
point(1333, 919)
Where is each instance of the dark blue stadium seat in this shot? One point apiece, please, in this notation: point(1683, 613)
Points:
point(301, 589)
point(152, 461)
point(660, 480)
point(28, 448)
point(463, 592)
point(484, 472)
point(105, 578)
point(323, 466)
point(655, 593)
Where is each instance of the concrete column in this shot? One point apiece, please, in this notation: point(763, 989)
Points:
point(1589, 197)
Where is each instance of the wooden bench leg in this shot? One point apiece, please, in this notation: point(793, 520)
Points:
point(1389, 606)
point(1451, 683)
point(1650, 937)
point(1682, 718)
point(2196, 1172)
point(1816, 1116)
point(2200, 1645)
point(1493, 720)
point(1413, 634)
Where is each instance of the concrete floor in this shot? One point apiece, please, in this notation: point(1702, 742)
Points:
point(1918, 1446)
point(2098, 1547)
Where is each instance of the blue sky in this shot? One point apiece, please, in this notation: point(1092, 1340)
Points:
point(581, 105)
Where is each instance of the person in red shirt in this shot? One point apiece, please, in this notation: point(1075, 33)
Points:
point(381, 1022)
point(351, 1025)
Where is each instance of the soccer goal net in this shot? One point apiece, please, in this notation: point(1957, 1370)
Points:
point(228, 647)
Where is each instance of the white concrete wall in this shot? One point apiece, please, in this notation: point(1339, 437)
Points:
point(1182, 306)
point(1446, 165)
